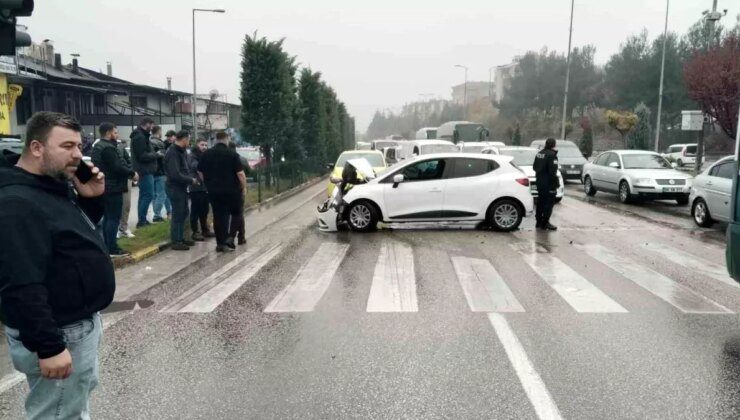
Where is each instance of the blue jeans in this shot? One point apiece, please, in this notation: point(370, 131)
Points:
point(61, 398)
point(146, 195)
point(161, 198)
point(113, 203)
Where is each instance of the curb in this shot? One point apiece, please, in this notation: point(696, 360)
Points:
point(153, 250)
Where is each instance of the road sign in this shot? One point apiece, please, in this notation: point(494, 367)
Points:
point(7, 64)
point(692, 120)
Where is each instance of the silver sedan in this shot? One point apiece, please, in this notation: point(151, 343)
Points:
point(711, 193)
point(636, 174)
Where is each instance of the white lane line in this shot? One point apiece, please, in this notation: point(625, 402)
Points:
point(580, 294)
point(484, 287)
point(533, 385)
point(394, 280)
point(212, 298)
point(692, 262)
point(681, 297)
point(206, 283)
point(311, 281)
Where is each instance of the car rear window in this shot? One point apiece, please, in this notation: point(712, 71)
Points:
point(472, 167)
point(691, 149)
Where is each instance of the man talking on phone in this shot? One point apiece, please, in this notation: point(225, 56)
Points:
point(55, 272)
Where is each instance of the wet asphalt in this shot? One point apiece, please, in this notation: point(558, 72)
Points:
point(443, 361)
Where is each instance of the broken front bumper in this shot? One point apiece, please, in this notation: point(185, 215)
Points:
point(328, 216)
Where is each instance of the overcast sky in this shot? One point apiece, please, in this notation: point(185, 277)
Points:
point(376, 54)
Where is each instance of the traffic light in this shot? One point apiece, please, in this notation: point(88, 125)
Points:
point(10, 37)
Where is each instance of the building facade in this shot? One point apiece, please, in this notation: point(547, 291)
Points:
point(502, 79)
point(475, 92)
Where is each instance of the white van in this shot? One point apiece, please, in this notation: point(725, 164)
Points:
point(426, 133)
point(682, 154)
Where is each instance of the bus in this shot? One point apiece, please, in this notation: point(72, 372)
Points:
point(456, 131)
point(733, 230)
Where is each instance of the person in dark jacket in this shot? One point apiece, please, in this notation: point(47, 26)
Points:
point(145, 160)
point(106, 156)
point(199, 205)
point(546, 169)
point(161, 200)
point(178, 181)
point(55, 272)
point(241, 231)
point(223, 174)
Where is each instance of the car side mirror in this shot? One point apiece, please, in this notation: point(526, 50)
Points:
point(614, 165)
point(397, 179)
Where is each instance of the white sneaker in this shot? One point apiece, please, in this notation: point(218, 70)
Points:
point(119, 234)
point(129, 234)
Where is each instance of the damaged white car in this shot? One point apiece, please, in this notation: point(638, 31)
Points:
point(430, 188)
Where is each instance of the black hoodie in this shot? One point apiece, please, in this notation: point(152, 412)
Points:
point(54, 266)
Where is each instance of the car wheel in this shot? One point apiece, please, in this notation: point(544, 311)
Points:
point(362, 217)
point(624, 193)
point(700, 212)
point(505, 215)
point(683, 200)
point(588, 187)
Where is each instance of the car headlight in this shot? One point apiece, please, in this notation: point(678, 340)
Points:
point(644, 181)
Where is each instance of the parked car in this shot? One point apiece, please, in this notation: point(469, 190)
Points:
point(254, 157)
point(478, 146)
point(382, 144)
point(570, 158)
point(682, 154)
point(425, 147)
point(437, 187)
point(523, 158)
point(374, 157)
point(711, 193)
point(361, 145)
point(633, 174)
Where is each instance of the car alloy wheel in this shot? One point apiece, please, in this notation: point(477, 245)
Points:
point(701, 214)
point(588, 186)
point(624, 192)
point(506, 215)
point(360, 216)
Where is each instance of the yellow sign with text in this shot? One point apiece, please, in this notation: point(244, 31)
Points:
point(8, 95)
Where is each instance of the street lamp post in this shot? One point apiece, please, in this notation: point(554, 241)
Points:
point(662, 73)
point(465, 91)
point(195, 97)
point(567, 72)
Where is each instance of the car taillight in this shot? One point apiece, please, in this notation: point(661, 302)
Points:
point(523, 181)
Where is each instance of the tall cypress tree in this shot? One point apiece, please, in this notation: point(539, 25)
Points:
point(312, 115)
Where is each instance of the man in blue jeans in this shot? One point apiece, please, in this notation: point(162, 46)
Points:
point(107, 156)
point(145, 164)
point(161, 200)
point(56, 273)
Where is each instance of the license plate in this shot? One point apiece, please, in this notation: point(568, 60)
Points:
point(572, 172)
point(672, 189)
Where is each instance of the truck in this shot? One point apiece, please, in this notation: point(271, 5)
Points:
point(456, 131)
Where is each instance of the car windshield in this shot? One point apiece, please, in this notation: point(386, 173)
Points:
point(375, 159)
point(569, 152)
point(438, 148)
point(521, 157)
point(645, 161)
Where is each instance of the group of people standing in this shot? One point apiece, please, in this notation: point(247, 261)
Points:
point(184, 182)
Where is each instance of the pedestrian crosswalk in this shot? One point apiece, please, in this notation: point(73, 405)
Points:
point(486, 285)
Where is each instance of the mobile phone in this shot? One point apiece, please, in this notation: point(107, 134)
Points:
point(83, 173)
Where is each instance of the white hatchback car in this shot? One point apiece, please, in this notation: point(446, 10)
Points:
point(712, 192)
point(441, 187)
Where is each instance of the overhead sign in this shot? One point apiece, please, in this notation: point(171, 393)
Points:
point(692, 120)
point(7, 64)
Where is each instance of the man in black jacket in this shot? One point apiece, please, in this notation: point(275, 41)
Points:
point(55, 273)
point(178, 181)
point(145, 164)
point(546, 169)
point(106, 156)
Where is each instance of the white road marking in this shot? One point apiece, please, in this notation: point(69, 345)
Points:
point(212, 298)
point(394, 280)
point(483, 286)
point(533, 385)
point(681, 297)
point(692, 262)
point(206, 284)
point(580, 294)
point(311, 281)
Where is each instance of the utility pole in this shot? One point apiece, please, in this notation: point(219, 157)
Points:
point(711, 18)
point(567, 72)
point(195, 90)
point(662, 73)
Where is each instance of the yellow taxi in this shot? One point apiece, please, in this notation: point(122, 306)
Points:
point(374, 157)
